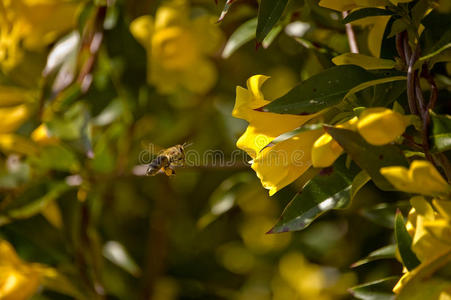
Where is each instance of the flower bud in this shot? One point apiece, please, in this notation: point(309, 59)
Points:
point(380, 126)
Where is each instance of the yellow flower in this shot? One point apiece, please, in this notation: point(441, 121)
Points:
point(43, 136)
point(311, 281)
point(421, 178)
point(32, 25)
point(178, 48)
point(431, 235)
point(380, 126)
point(375, 24)
point(13, 117)
point(326, 150)
point(18, 279)
point(281, 164)
point(430, 228)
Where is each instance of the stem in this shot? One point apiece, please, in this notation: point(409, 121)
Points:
point(400, 47)
point(411, 73)
point(351, 36)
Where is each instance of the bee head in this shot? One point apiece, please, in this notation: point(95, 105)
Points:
point(181, 148)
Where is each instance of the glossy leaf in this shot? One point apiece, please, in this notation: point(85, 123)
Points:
point(366, 12)
point(440, 132)
point(269, 13)
point(271, 36)
point(385, 94)
point(365, 61)
point(376, 290)
point(223, 198)
point(386, 252)
point(117, 254)
point(325, 89)
point(327, 190)
point(368, 157)
point(239, 37)
point(225, 10)
point(383, 214)
point(404, 243)
point(358, 182)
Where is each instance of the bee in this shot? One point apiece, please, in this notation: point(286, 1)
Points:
point(167, 160)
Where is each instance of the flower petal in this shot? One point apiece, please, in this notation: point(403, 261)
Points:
point(283, 163)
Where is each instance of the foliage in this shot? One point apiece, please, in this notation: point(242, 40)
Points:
point(345, 120)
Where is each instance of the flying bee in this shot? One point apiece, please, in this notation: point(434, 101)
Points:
point(167, 161)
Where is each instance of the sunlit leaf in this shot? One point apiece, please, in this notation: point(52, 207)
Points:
point(375, 290)
point(364, 61)
point(440, 134)
point(239, 37)
point(117, 254)
point(327, 190)
point(366, 12)
point(386, 252)
point(358, 182)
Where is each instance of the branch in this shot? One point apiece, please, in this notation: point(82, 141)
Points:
point(351, 36)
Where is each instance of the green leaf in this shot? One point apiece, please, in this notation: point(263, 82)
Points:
point(404, 242)
point(376, 290)
point(383, 214)
point(272, 36)
point(443, 44)
point(371, 83)
point(398, 26)
point(118, 255)
point(269, 12)
point(223, 198)
point(239, 37)
point(440, 132)
point(56, 157)
point(225, 10)
point(385, 94)
point(366, 12)
point(327, 190)
point(386, 252)
point(32, 201)
point(368, 157)
point(325, 89)
point(358, 182)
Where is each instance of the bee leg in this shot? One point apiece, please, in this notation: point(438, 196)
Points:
point(156, 165)
point(169, 171)
point(152, 171)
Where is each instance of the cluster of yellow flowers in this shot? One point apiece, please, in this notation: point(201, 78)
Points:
point(429, 224)
point(30, 25)
point(178, 48)
point(281, 164)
